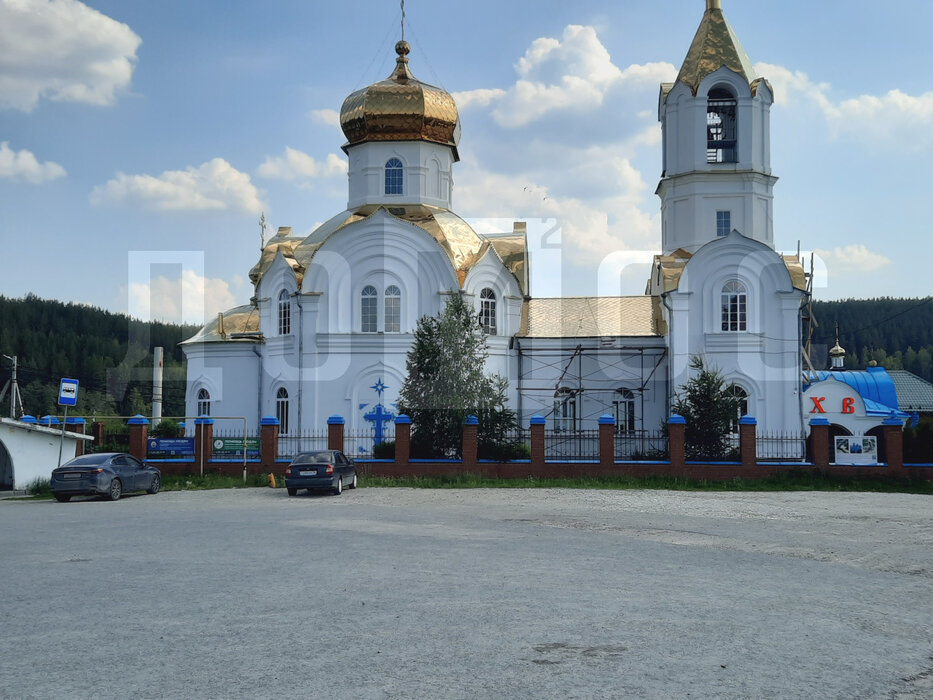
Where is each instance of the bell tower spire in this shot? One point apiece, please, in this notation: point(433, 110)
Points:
point(715, 121)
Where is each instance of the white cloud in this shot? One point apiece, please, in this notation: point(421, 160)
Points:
point(215, 185)
point(297, 165)
point(62, 50)
point(855, 258)
point(572, 73)
point(327, 117)
point(23, 165)
point(894, 119)
point(189, 298)
point(481, 97)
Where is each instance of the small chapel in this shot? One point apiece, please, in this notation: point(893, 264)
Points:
point(331, 321)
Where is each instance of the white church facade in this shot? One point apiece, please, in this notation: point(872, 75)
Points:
point(332, 318)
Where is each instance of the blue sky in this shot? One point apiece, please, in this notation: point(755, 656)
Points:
point(139, 141)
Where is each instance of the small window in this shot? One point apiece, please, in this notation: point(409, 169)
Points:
point(741, 397)
point(368, 311)
point(723, 223)
point(565, 414)
point(285, 313)
point(204, 402)
point(281, 409)
point(487, 311)
point(394, 176)
point(734, 307)
point(720, 127)
point(393, 309)
point(624, 409)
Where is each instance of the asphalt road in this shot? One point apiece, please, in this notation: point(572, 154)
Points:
point(397, 593)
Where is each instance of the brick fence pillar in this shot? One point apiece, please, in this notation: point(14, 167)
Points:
point(203, 442)
point(335, 426)
point(607, 445)
point(819, 442)
point(268, 441)
point(97, 431)
point(76, 425)
point(676, 440)
point(537, 441)
point(748, 441)
point(470, 440)
point(402, 440)
point(138, 436)
point(893, 442)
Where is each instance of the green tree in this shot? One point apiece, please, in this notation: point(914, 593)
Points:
point(446, 382)
point(708, 405)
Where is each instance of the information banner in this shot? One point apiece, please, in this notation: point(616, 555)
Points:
point(167, 448)
point(856, 449)
point(233, 447)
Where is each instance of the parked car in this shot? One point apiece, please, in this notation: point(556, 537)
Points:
point(324, 469)
point(109, 474)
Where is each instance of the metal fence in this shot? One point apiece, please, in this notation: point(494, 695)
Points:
point(790, 447)
point(641, 444)
point(571, 444)
point(361, 443)
point(303, 441)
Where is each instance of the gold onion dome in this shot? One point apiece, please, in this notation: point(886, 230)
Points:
point(400, 108)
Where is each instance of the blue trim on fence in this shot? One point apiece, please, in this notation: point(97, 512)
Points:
point(138, 420)
point(268, 420)
point(204, 420)
point(336, 420)
point(234, 461)
point(537, 420)
point(31, 420)
point(405, 420)
point(606, 420)
point(438, 461)
point(642, 461)
point(367, 460)
point(919, 464)
point(498, 461)
point(677, 420)
point(819, 421)
point(748, 420)
point(714, 464)
point(161, 460)
point(471, 420)
point(571, 461)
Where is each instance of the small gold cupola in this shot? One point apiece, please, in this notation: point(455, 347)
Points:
point(401, 108)
point(837, 355)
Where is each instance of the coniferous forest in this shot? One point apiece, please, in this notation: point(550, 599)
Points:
point(111, 354)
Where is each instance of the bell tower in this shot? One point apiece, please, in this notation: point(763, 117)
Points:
point(716, 135)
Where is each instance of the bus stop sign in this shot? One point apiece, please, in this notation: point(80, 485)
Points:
point(68, 393)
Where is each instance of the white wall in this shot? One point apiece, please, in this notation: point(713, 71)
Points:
point(33, 449)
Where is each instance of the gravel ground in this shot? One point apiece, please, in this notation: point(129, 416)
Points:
point(509, 593)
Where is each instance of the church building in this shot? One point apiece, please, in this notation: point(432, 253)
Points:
point(333, 314)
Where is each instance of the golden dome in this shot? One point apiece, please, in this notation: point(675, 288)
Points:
point(400, 108)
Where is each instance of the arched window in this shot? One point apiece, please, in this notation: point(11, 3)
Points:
point(741, 397)
point(281, 409)
point(624, 408)
point(734, 306)
point(393, 176)
point(368, 311)
point(204, 402)
point(487, 311)
point(720, 127)
point(393, 309)
point(285, 313)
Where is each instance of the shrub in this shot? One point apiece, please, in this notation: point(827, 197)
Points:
point(384, 450)
point(166, 428)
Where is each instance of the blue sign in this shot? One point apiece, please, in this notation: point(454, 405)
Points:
point(68, 392)
point(170, 447)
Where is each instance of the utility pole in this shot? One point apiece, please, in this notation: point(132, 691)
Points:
point(16, 399)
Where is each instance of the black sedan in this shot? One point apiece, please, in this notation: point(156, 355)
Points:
point(324, 469)
point(109, 474)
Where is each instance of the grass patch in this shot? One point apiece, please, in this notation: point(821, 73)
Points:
point(40, 487)
point(213, 481)
point(794, 480)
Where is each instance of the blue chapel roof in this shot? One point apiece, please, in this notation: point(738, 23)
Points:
point(874, 385)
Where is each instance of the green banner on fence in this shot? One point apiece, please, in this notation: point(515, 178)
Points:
point(233, 447)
